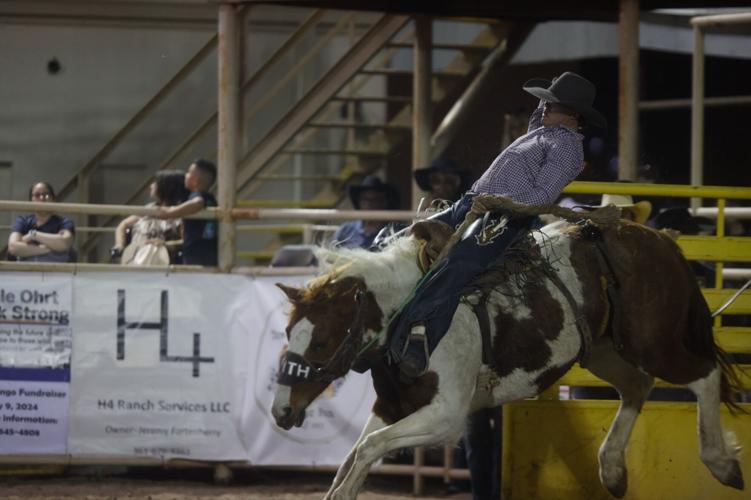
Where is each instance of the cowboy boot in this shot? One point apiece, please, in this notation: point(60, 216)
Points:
point(414, 359)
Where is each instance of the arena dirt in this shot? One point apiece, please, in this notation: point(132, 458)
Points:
point(197, 484)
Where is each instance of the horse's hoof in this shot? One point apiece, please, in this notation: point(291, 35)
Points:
point(618, 490)
point(617, 483)
point(734, 478)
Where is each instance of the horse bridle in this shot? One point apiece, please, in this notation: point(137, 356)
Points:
point(295, 369)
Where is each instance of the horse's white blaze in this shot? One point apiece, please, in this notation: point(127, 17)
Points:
point(281, 400)
point(300, 336)
point(299, 340)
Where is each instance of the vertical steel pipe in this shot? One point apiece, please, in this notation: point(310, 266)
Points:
point(421, 100)
point(697, 114)
point(628, 89)
point(229, 103)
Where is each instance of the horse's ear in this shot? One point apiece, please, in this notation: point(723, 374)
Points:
point(294, 294)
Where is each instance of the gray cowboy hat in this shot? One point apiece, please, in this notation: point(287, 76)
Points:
point(570, 90)
point(374, 183)
point(442, 164)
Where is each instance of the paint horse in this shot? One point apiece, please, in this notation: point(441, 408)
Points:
point(337, 322)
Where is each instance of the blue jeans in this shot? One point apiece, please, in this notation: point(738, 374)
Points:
point(437, 297)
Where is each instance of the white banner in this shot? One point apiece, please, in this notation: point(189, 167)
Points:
point(33, 410)
point(35, 314)
point(333, 422)
point(158, 365)
point(35, 349)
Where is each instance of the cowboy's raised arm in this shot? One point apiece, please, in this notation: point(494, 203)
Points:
point(535, 119)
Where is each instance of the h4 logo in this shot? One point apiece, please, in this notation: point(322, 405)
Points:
point(162, 327)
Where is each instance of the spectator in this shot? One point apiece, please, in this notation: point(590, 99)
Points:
point(199, 235)
point(154, 241)
point(42, 236)
point(443, 180)
point(372, 194)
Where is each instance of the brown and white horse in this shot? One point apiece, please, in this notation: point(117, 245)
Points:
point(662, 328)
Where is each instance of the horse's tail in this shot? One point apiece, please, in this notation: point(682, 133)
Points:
point(701, 341)
point(730, 383)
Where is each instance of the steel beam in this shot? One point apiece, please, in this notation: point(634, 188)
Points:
point(422, 111)
point(697, 114)
point(628, 89)
point(228, 126)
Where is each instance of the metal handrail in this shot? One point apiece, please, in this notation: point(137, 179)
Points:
point(209, 213)
point(642, 189)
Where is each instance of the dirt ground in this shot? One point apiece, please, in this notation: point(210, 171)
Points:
point(197, 484)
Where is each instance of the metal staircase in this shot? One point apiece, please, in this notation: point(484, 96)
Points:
point(306, 157)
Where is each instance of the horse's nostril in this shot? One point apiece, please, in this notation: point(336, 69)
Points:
point(287, 410)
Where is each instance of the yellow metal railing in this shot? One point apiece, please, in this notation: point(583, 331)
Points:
point(718, 249)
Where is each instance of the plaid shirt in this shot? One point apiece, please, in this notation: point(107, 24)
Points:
point(536, 167)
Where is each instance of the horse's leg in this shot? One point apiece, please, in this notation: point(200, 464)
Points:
point(715, 453)
point(633, 385)
point(430, 424)
point(373, 424)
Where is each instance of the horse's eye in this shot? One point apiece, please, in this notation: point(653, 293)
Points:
point(318, 346)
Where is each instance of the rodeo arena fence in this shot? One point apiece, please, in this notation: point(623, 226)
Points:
point(176, 366)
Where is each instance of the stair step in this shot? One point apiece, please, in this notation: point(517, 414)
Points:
point(407, 72)
point(444, 46)
point(373, 99)
point(334, 152)
point(377, 126)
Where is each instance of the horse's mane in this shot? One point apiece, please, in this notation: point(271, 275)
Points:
point(395, 266)
point(387, 269)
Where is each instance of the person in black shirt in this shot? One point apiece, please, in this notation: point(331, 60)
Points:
point(199, 235)
point(42, 236)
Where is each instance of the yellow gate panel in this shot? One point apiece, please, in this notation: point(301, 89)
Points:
point(550, 452)
point(728, 249)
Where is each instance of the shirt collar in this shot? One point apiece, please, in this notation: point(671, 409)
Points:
point(564, 129)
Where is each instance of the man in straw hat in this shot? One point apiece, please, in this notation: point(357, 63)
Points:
point(534, 169)
point(637, 212)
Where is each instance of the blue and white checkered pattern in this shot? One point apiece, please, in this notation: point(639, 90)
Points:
point(536, 167)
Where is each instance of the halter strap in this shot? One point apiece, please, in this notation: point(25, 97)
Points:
point(295, 369)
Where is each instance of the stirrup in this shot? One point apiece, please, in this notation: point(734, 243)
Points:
point(415, 355)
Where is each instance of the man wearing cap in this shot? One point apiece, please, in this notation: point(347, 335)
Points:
point(534, 169)
point(372, 194)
